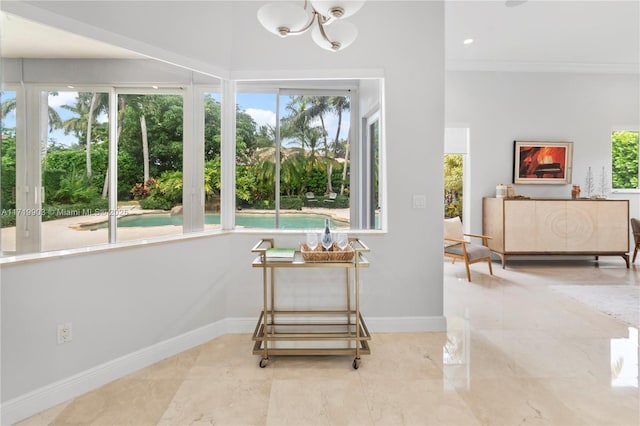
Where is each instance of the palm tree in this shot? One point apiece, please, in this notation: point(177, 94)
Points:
point(7, 106)
point(341, 104)
point(88, 106)
point(143, 105)
point(55, 122)
point(319, 107)
point(122, 103)
point(99, 103)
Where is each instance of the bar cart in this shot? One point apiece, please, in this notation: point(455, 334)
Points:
point(344, 326)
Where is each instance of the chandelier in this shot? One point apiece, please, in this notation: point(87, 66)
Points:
point(331, 31)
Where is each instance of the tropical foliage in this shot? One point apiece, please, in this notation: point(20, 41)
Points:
point(453, 185)
point(150, 153)
point(624, 159)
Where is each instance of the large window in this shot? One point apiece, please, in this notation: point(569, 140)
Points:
point(74, 163)
point(150, 160)
point(624, 159)
point(99, 165)
point(255, 160)
point(293, 159)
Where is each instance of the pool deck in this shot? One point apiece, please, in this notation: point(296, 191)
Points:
point(67, 233)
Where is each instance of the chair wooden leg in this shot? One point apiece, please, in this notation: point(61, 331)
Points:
point(635, 253)
point(490, 267)
point(466, 264)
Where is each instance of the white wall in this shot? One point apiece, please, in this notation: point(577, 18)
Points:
point(121, 301)
point(500, 107)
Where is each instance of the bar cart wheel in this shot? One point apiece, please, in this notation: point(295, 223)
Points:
point(264, 361)
point(356, 363)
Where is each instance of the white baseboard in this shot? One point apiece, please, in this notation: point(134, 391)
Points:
point(48, 396)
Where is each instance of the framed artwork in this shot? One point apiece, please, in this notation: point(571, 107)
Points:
point(542, 162)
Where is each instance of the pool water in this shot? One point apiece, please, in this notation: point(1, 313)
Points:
point(249, 220)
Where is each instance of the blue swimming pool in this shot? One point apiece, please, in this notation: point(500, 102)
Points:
point(249, 220)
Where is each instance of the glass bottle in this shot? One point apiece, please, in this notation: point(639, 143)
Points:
point(327, 240)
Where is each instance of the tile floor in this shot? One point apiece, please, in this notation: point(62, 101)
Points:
point(516, 353)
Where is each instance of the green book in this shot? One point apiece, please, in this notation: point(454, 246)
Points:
point(281, 254)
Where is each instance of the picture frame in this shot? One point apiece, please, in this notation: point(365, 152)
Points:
point(542, 162)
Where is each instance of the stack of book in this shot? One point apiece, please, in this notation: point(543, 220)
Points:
point(280, 254)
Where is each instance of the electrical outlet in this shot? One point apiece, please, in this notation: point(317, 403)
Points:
point(65, 333)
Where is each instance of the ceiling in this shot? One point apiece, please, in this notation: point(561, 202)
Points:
point(539, 34)
point(21, 38)
point(509, 35)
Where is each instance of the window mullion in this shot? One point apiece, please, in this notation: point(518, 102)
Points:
point(113, 164)
point(228, 155)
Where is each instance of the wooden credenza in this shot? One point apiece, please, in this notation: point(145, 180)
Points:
point(556, 227)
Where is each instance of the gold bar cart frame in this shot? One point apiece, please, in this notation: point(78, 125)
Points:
point(342, 325)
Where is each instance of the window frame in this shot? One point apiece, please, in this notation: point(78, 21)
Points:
point(319, 88)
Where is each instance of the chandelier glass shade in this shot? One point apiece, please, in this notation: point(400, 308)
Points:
point(325, 18)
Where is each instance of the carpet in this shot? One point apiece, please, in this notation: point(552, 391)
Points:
point(618, 301)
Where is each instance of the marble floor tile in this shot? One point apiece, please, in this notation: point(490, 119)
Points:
point(318, 402)
point(123, 402)
point(515, 353)
point(211, 401)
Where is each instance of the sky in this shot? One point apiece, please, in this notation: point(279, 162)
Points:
point(260, 106)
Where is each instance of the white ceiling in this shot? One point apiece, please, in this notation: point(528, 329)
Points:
point(21, 38)
point(510, 35)
point(539, 34)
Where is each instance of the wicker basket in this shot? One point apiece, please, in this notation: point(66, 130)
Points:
point(335, 255)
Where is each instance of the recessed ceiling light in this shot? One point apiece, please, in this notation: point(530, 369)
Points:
point(468, 41)
point(154, 87)
point(70, 87)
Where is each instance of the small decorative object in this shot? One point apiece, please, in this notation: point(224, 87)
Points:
point(511, 193)
point(603, 187)
point(575, 192)
point(542, 162)
point(588, 183)
point(501, 190)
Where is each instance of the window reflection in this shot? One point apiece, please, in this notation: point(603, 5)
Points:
point(456, 352)
point(624, 360)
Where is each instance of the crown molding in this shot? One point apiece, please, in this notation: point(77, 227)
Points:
point(557, 67)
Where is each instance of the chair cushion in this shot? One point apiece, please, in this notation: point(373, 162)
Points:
point(474, 251)
point(453, 248)
point(453, 229)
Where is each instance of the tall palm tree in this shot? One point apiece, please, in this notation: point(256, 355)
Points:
point(122, 103)
point(341, 104)
point(143, 105)
point(99, 103)
point(88, 106)
point(319, 107)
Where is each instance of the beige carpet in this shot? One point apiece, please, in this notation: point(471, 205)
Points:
point(618, 301)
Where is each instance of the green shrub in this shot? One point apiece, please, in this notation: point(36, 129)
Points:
point(291, 203)
point(8, 218)
point(156, 203)
point(340, 202)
